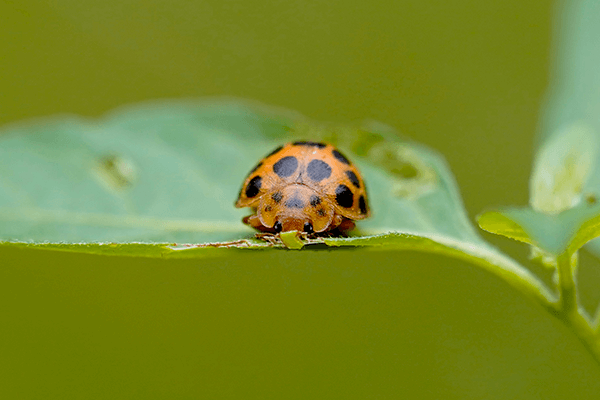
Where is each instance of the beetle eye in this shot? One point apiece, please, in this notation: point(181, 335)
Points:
point(308, 228)
point(278, 227)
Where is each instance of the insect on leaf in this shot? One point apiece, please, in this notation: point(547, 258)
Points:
point(160, 180)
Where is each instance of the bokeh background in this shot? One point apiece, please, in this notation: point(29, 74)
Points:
point(464, 77)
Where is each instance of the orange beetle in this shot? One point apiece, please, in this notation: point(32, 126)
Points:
point(304, 186)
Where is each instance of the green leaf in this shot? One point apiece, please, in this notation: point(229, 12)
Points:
point(554, 234)
point(170, 172)
point(564, 212)
point(566, 171)
point(160, 180)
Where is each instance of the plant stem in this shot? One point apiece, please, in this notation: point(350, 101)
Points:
point(567, 309)
point(567, 293)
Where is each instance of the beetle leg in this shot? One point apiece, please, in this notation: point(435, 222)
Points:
point(253, 221)
point(336, 221)
point(346, 225)
point(340, 225)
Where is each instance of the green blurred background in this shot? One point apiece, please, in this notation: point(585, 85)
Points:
point(464, 77)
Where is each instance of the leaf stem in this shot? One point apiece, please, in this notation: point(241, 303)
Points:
point(567, 308)
point(567, 293)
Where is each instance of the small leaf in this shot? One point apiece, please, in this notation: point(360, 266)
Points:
point(552, 233)
point(566, 171)
point(500, 224)
point(563, 168)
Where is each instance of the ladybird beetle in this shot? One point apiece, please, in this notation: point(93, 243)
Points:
point(304, 186)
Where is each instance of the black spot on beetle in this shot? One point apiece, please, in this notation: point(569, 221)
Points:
point(344, 196)
point(362, 204)
point(309, 143)
point(286, 166)
point(277, 196)
point(294, 202)
point(353, 178)
point(340, 157)
point(278, 227)
point(268, 208)
point(321, 212)
point(277, 150)
point(253, 186)
point(318, 170)
point(315, 200)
